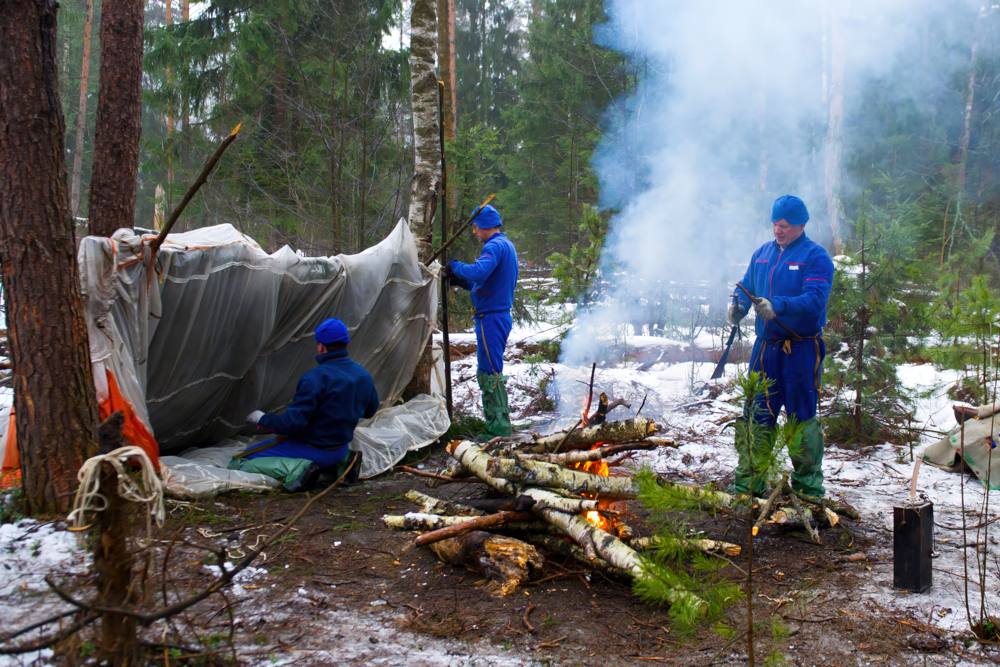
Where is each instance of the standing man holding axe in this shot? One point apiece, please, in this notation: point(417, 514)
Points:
point(491, 280)
point(788, 283)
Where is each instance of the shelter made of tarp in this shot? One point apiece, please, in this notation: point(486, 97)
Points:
point(972, 444)
point(191, 340)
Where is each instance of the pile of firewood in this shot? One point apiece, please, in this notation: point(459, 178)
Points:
point(549, 498)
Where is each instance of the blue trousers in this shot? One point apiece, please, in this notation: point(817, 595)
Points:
point(795, 368)
point(324, 457)
point(492, 330)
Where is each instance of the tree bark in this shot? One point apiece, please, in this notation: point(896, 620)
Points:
point(448, 68)
point(119, 106)
point(81, 114)
point(427, 160)
point(426, 183)
point(113, 567)
point(54, 399)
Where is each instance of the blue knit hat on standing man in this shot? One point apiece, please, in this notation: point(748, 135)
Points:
point(488, 218)
point(332, 331)
point(791, 209)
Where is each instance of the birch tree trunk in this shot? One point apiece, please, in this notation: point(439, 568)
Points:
point(427, 158)
point(424, 188)
point(834, 146)
point(115, 170)
point(54, 396)
point(81, 114)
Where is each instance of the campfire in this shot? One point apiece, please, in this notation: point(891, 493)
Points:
point(552, 494)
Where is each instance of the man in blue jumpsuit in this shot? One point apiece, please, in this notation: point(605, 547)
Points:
point(318, 424)
point(792, 275)
point(491, 280)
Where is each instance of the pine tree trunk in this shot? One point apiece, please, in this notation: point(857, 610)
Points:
point(448, 67)
point(833, 145)
point(81, 114)
point(116, 140)
point(170, 119)
point(54, 396)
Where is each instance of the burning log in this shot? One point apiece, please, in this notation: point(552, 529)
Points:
point(506, 561)
point(631, 430)
point(549, 475)
point(595, 454)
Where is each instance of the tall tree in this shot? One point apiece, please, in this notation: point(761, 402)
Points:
point(81, 114)
point(449, 78)
point(54, 399)
point(427, 157)
point(115, 170)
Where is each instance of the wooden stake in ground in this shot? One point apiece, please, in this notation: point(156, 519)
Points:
point(113, 568)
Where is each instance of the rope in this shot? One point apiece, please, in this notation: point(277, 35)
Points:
point(147, 490)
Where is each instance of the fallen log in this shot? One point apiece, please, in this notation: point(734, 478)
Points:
point(630, 430)
point(470, 524)
point(506, 561)
point(693, 544)
point(423, 521)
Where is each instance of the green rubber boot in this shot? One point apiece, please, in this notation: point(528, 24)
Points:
point(495, 408)
point(742, 478)
point(807, 459)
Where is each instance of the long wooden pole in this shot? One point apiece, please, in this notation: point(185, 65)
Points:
point(461, 229)
point(189, 195)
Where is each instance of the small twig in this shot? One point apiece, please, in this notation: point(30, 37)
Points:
point(550, 644)
point(434, 475)
point(643, 404)
point(524, 617)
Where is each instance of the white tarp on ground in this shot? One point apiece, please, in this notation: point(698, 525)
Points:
point(219, 328)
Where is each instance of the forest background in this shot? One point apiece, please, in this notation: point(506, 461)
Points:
point(325, 157)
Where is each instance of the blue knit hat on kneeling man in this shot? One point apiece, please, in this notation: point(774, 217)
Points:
point(790, 209)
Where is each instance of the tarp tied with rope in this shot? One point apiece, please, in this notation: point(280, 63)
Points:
point(211, 327)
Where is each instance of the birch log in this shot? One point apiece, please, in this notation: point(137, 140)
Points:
point(470, 524)
point(432, 505)
point(537, 473)
point(585, 438)
point(693, 543)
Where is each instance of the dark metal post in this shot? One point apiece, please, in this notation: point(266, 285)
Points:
point(445, 344)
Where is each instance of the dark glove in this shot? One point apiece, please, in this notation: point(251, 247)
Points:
point(735, 312)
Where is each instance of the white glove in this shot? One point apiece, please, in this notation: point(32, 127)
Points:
point(255, 416)
point(765, 309)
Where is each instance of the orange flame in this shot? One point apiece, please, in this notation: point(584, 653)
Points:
point(601, 468)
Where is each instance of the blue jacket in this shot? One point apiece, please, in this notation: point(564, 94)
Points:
point(797, 281)
point(491, 278)
point(328, 402)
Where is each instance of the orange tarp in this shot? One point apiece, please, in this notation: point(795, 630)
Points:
point(133, 430)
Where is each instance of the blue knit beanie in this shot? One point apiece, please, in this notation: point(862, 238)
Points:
point(332, 331)
point(488, 218)
point(791, 209)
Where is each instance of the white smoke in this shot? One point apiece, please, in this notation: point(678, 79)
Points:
point(730, 112)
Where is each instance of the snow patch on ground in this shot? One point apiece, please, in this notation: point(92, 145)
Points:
point(29, 551)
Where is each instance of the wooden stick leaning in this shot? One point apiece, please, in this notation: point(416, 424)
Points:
point(475, 523)
point(765, 511)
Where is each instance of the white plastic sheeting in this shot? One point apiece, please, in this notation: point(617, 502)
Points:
point(215, 328)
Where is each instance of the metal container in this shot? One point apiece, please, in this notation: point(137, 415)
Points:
point(912, 545)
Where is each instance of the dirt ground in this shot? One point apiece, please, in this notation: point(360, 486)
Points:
point(342, 558)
